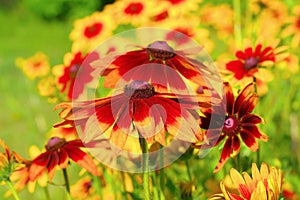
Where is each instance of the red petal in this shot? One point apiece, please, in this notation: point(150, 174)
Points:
point(249, 140)
point(52, 165)
point(38, 165)
point(63, 159)
point(248, 105)
point(251, 119)
point(236, 145)
point(248, 90)
point(229, 98)
point(255, 132)
point(225, 155)
point(236, 67)
point(241, 55)
point(82, 159)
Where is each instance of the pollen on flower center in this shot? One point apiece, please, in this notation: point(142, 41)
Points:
point(250, 63)
point(230, 126)
point(160, 50)
point(139, 90)
point(55, 143)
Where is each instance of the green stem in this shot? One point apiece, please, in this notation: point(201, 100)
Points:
point(47, 193)
point(145, 161)
point(124, 186)
point(188, 170)
point(162, 174)
point(155, 190)
point(237, 22)
point(11, 187)
point(98, 186)
point(67, 184)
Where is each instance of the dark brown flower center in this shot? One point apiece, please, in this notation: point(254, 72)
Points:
point(250, 63)
point(55, 143)
point(160, 50)
point(231, 126)
point(74, 70)
point(139, 90)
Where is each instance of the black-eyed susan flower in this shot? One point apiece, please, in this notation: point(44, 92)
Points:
point(239, 123)
point(88, 32)
point(161, 64)
point(138, 111)
point(265, 184)
point(34, 66)
point(58, 153)
point(76, 68)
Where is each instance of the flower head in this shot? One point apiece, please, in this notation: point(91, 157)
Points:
point(138, 111)
point(239, 123)
point(264, 184)
point(249, 61)
point(35, 66)
point(91, 30)
point(58, 152)
point(76, 68)
point(160, 63)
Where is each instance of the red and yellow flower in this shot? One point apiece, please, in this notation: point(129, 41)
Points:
point(239, 123)
point(88, 32)
point(294, 27)
point(58, 153)
point(75, 73)
point(161, 64)
point(264, 185)
point(138, 111)
point(35, 66)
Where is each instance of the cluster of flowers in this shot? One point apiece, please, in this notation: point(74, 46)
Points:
point(241, 68)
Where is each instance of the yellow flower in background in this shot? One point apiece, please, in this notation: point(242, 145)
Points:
point(135, 12)
point(89, 31)
point(211, 15)
point(265, 184)
point(180, 7)
point(34, 66)
point(47, 86)
point(293, 29)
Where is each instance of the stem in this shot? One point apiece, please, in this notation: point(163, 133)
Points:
point(188, 170)
point(162, 174)
point(47, 193)
point(124, 186)
point(145, 164)
point(237, 22)
point(67, 184)
point(13, 190)
point(98, 186)
point(155, 190)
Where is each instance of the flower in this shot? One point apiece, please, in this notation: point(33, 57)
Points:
point(239, 123)
point(250, 60)
point(294, 27)
point(76, 68)
point(35, 66)
point(160, 63)
point(138, 111)
point(21, 175)
point(91, 30)
point(136, 12)
point(84, 189)
point(264, 184)
point(58, 152)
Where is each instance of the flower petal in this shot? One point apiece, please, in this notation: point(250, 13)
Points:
point(225, 155)
point(249, 140)
point(38, 165)
point(81, 158)
point(253, 130)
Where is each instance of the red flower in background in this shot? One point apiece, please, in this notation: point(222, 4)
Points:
point(250, 60)
point(239, 123)
point(58, 152)
point(77, 68)
point(137, 112)
point(146, 64)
